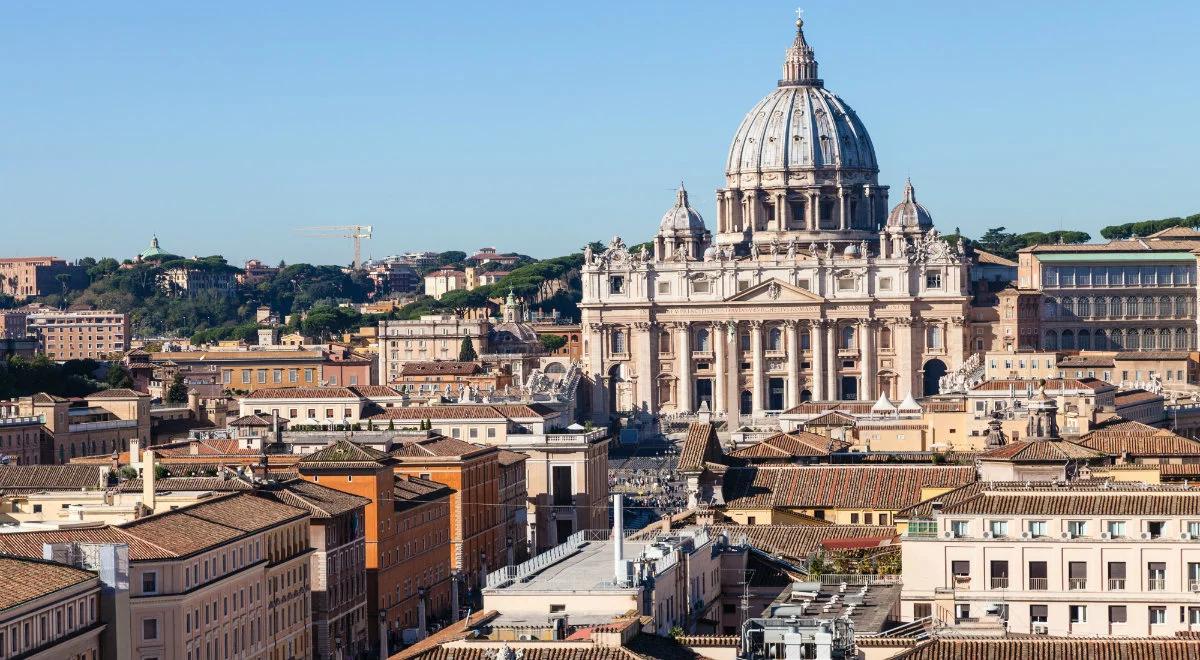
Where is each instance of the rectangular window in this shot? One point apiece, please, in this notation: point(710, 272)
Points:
point(959, 527)
point(245, 376)
point(150, 582)
point(1036, 528)
point(616, 284)
point(1116, 529)
point(933, 280)
point(1117, 614)
point(885, 284)
point(149, 629)
point(1158, 614)
point(1038, 613)
point(960, 568)
point(1116, 576)
point(1078, 613)
point(998, 528)
point(1077, 528)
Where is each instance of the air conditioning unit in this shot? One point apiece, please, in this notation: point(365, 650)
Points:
point(1026, 535)
point(1185, 537)
point(1067, 535)
point(526, 637)
point(988, 535)
point(949, 534)
point(1041, 629)
point(1105, 536)
point(1146, 536)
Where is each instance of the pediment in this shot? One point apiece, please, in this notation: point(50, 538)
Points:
point(775, 291)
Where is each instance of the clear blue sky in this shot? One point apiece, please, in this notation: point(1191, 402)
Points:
point(538, 126)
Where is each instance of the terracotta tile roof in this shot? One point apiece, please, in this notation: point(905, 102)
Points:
point(1086, 361)
point(26, 579)
point(1179, 470)
point(219, 484)
point(451, 633)
point(303, 393)
point(50, 477)
point(321, 502)
point(1176, 232)
point(700, 446)
point(1052, 385)
point(1127, 245)
point(374, 391)
point(238, 356)
point(1052, 648)
point(176, 533)
point(988, 258)
point(529, 653)
point(440, 368)
point(208, 447)
point(1094, 501)
point(42, 397)
point(1152, 355)
point(254, 421)
point(118, 393)
point(798, 542)
point(831, 418)
point(508, 458)
point(1138, 439)
point(881, 487)
point(1042, 451)
point(437, 446)
point(797, 444)
point(409, 490)
point(925, 509)
point(344, 453)
point(1135, 397)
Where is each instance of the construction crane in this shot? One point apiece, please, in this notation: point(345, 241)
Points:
point(355, 232)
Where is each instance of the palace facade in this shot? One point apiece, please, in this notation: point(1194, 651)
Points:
point(810, 289)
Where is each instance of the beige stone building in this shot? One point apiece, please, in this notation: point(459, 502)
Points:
point(49, 610)
point(29, 277)
point(440, 282)
point(1080, 560)
point(83, 334)
point(432, 337)
point(808, 288)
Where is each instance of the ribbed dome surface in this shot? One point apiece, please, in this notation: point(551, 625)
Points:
point(800, 127)
point(909, 213)
point(682, 216)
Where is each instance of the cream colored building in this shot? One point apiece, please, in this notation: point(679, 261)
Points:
point(440, 282)
point(808, 288)
point(50, 611)
point(432, 337)
point(1082, 560)
point(82, 334)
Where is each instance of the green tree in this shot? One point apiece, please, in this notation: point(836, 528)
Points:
point(552, 342)
point(118, 376)
point(466, 352)
point(178, 392)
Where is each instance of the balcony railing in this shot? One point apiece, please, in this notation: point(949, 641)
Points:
point(999, 583)
point(1156, 584)
point(1039, 584)
point(1076, 584)
point(1116, 584)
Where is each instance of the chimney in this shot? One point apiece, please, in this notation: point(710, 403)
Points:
point(620, 573)
point(148, 481)
point(135, 455)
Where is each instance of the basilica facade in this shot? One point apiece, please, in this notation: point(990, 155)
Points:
point(809, 289)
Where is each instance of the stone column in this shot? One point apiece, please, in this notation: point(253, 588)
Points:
point(756, 364)
point(866, 338)
point(956, 342)
point(733, 378)
point(720, 377)
point(831, 371)
point(792, 337)
point(785, 211)
point(902, 336)
point(642, 346)
point(596, 365)
point(814, 210)
point(683, 345)
point(816, 343)
point(841, 207)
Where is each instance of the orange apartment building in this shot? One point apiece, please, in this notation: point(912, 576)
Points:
point(226, 577)
point(94, 334)
point(248, 371)
point(28, 277)
point(477, 528)
point(101, 423)
point(447, 378)
point(398, 561)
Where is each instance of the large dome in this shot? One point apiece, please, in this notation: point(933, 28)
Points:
point(799, 126)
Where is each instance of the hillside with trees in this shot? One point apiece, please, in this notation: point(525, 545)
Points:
point(1147, 227)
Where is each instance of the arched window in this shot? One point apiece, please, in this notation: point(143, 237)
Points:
point(775, 339)
point(885, 338)
point(1051, 308)
point(1164, 307)
point(1147, 306)
point(1101, 308)
point(1084, 340)
point(805, 340)
point(744, 341)
point(1068, 307)
point(848, 336)
point(1051, 340)
point(618, 343)
point(1068, 339)
point(1100, 341)
point(1084, 308)
point(1131, 306)
point(703, 344)
point(935, 337)
point(1181, 340)
point(1147, 340)
point(1164, 339)
point(1180, 307)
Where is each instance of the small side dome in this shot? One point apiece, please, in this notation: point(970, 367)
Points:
point(851, 251)
point(908, 213)
point(681, 217)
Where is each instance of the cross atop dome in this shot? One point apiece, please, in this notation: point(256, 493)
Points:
point(800, 67)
